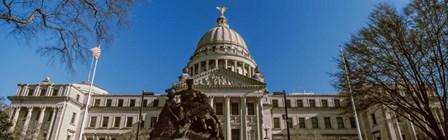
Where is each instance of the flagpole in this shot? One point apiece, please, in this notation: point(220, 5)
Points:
point(86, 110)
point(90, 70)
point(347, 73)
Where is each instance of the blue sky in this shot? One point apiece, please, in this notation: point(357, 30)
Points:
point(294, 42)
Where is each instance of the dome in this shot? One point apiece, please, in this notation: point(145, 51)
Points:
point(221, 35)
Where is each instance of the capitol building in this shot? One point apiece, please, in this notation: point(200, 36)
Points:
point(223, 68)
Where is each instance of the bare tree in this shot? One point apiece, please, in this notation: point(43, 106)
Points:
point(400, 61)
point(5, 124)
point(72, 25)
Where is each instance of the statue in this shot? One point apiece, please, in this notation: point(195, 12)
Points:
point(184, 75)
point(222, 10)
point(191, 118)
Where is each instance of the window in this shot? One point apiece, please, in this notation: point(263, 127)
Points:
point(288, 103)
point(312, 103)
point(145, 103)
point(120, 103)
point(324, 103)
point(42, 92)
point(235, 134)
point(132, 103)
point(77, 97)
point(353, 122)
point(276, 122)
point(289, 122)
point(275, 103)
point(219, 109)
point(155, 103)
point(153, 121)
point(302, 122)
point(92, 121)
point(314, 122)
point(109, 102)
point(250, 108)
point(73, 118)
point(105, 121)
point(235, 109)
point(337, 103)
point(117, 122)
point(373, 118)
point(299, 103)
point(31, 92)
point(69, 137)
point(340, 122)
point(129, 122)
point(55, 92)
point(97, 102)
point(327, 122)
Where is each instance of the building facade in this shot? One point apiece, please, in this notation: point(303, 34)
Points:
point(222, 68)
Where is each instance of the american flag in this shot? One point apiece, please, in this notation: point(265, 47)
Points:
point(96, 51)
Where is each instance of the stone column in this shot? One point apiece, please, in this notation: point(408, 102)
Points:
point(414, 134)
point(49, 91)
point(243, 116)
point(216, 63)
point(225, 63)
point(207, 67)
point(14, 119)
point(235, 63)
point(41, 119)
point(53, 115)
point(27, 120)
point(25, 91)
point(19, 89)
point(228, 126)
point(36, 91)
point(243, 69)
point(250, 71)
point(257, 111)
point(199, 67)
point(194, 70)
point(211, 99)
point(398, 128)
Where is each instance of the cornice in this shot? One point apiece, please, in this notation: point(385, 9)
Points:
point(282, 109)
point(124, 108)
point(310, 95)
point(21, 99)
point(125, 95)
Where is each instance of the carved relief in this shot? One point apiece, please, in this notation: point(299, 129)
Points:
point(218, 79)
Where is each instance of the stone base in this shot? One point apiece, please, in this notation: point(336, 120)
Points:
point(183, 138)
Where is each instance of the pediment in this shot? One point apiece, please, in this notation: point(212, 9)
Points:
point(220, 77)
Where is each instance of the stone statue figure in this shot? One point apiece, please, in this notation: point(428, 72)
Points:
point(191, 118)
